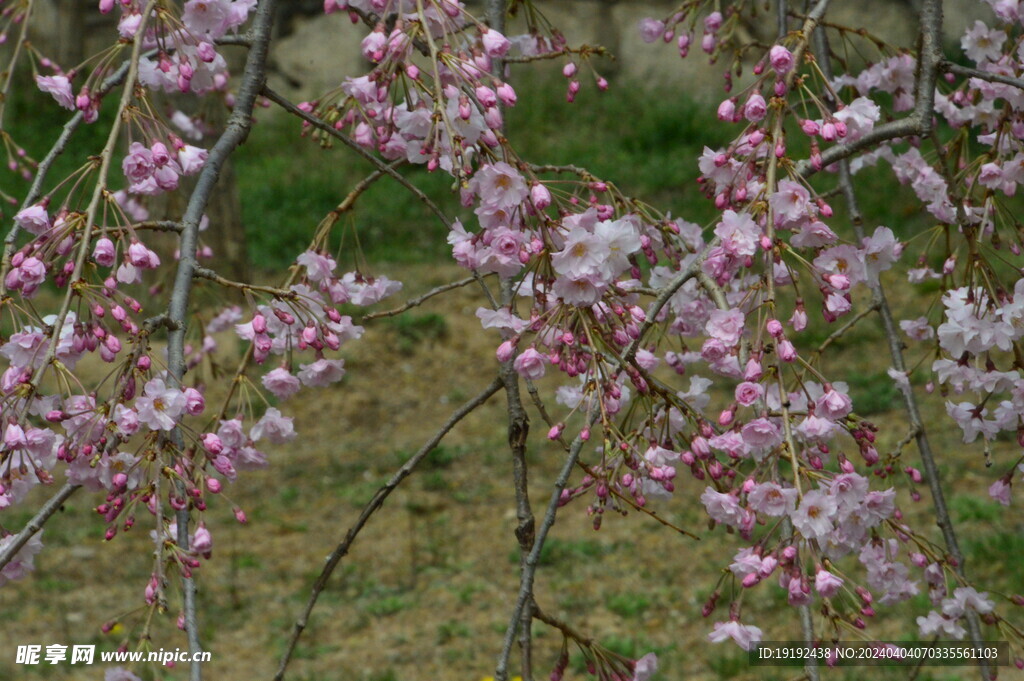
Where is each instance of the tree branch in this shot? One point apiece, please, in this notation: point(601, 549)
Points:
point(419, 300)
point(35, 525)
point(239, 123)
point(371, 507)
point(530, 566)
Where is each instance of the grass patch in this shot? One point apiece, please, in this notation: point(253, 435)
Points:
point(388, 605)
point(557, 551)
point(628, 605)
point(416, 329)
point(873, 393)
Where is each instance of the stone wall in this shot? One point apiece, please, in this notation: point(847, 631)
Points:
point(321, 50)
point(314, 52)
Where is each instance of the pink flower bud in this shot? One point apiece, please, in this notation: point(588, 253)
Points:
point(206, 52)
point(540, 196)
point(781, 59)
point(212, 443)
point(787, 353)
point(727, 111)
point(505, 351)
point(506, 94)
point(755, 109)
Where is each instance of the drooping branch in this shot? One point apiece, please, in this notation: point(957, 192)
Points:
point(881, 303)
point(372, 507)
point(235, 133)
point(919, 122)
point(352, 144)
point(98, 195)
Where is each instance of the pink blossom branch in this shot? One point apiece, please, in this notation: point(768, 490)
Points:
point(97, 195)
point(43, 169)
point(942, 517)
point(920, 121)
point(346, 205)
point(539, 404)
point(369, 509)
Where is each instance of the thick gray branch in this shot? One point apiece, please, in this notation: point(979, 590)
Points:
point(239, 123)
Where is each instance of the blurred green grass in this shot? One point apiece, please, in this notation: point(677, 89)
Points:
point(644, 141)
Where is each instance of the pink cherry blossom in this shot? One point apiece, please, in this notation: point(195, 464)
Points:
point(813, 517)
point(60, 88)
point(781, 59)
point(33, 220)
point(746, 636)
point(772, 499)
point(530, 364)
point(273, 426)
point(726, 326)
point(160, 406)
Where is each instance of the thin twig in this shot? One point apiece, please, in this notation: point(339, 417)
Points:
point(352, 144)
point(419, 300)
point(983, 75)
point(208, 274)
point(842, 330)
point(35, 525)
point(369, 509)
point(665, 294)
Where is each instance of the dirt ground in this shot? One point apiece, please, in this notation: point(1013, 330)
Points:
point(426, 591)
